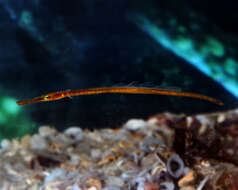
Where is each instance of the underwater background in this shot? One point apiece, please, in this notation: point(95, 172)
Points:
point(47, 46)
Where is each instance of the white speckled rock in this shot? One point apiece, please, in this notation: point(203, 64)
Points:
point(37, 142)
point(111, 188)
point(96, 153)
point(5, 144)
point(92, 188)
point(75, 133)
point(135, 124)
point(46, 131)
point(113, 180)
point(55, 174)
point(76, 187)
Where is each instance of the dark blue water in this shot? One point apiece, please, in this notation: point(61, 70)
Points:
point(48, 46)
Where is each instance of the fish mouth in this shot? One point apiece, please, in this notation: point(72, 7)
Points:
point(30, 101)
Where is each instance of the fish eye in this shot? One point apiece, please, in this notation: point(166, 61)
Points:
point(46, 97)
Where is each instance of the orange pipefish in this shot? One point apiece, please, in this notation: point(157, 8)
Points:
point(122, 90)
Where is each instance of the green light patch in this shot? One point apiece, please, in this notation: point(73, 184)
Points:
point(9, 105)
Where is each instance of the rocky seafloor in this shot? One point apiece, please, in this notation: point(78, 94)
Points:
point(165, 152)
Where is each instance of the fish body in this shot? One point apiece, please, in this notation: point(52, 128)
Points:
point(121, 90)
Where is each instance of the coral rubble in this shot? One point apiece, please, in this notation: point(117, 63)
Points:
point(166, 152)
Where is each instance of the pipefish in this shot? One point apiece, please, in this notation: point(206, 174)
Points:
point(121, 90)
